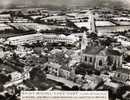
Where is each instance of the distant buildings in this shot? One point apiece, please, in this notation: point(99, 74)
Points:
point(4, 18)
point(7, 18)
point(55, 18)
point(21, 20)
point(4, 27)
point(121, 19)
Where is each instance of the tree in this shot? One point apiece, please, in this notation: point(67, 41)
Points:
point(93, 36)
point(70, 24)
point(84, 29)
point(75, 88)
point(37, 74)
point(1, 88)
point(4, 78)
point(20, 14)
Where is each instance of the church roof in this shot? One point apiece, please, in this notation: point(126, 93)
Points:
point(112, 52)
point(93, 50)
point(101, 50)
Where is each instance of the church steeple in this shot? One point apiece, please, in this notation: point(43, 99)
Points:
point(92, 30)
point(92, 23)
point(84, 41)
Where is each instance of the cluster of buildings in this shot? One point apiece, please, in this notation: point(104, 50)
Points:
point(83, 58)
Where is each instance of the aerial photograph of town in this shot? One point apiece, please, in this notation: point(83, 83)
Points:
point(65, 45)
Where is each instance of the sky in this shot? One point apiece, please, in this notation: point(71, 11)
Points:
point(7, 3)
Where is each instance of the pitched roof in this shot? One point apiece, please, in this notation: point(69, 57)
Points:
point(101, 50)
point(123, 70)
point(93, 50)
point(51, 64)
point(65, 68)
point(112, 52)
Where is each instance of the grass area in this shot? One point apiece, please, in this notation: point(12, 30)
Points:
point(7, 35)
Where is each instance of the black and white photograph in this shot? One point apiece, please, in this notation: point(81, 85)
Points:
point(65, 45)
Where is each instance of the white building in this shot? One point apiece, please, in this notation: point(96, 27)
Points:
point(23, 51)
point(21, 40)
point(123, 40)
point(53, 68)
point(60, 38)
point(15, 76)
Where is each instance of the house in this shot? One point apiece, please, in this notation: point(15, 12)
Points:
point(91, 82)
point(101, 58)
point(113, 86)
point(23, 51)
point(123, 40)
point(52, 68)
point(15, 76)
point(21, 20)
point(65, 72)
point(126, 66)
point(122, 75)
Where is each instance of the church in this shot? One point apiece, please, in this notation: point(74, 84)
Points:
point(97, 56)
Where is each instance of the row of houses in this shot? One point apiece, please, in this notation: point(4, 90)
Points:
point(34, 38)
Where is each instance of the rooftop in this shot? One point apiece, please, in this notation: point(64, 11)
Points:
point(54, 65)
point(123, 70)
point(65, 68)
point(56, 18)
point(93, 50)
point(101, 51)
